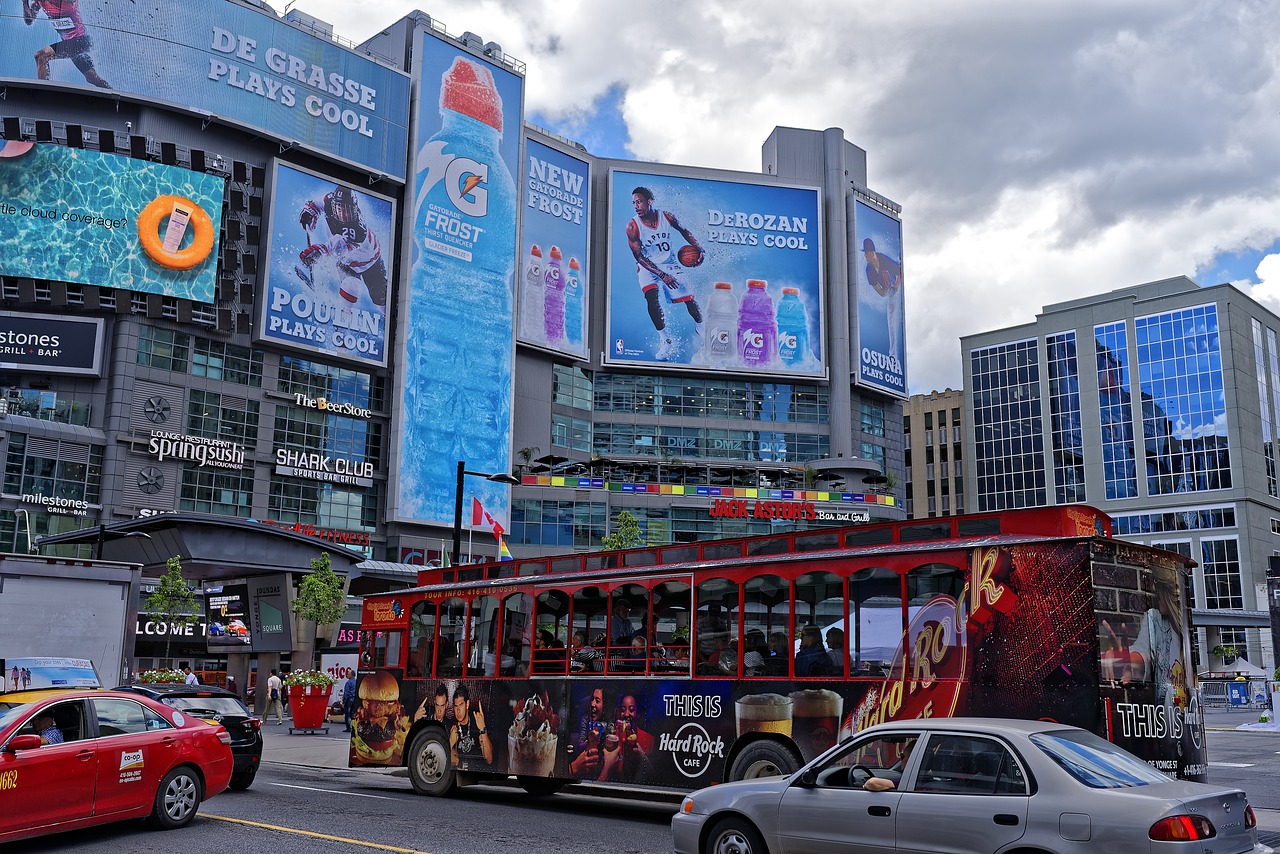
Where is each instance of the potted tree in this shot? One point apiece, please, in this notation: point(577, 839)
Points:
point(308, 697)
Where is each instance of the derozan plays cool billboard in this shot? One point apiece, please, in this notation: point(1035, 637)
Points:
point(722, 275)
point(877, 268)
point(219, 59)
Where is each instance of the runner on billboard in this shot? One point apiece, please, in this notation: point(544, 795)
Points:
point(336, 227)
point(885, 275)
point(649, 234)
point(74, 43)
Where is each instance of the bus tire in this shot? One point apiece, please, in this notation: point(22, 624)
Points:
point(541, 787)
point(430, 770)
point(763, 758)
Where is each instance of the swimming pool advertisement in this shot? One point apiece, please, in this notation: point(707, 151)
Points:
point(89, 218)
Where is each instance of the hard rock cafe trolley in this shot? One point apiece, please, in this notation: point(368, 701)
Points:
point(684, 665)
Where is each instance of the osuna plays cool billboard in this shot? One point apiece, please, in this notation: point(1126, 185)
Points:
point(219, 59)
point(876, 260)
point(553, 252)
point(80, 216)
point(331, 263)
point(457, 313)
point(720, 275)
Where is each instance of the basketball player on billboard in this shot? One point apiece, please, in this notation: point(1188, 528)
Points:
point(74, 43)
point(649, 234)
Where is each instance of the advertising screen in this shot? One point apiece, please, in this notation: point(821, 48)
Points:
point(553, 251)
point(877, 269)
point(331, 261)
point(55, 345)
point(227, 607)
point(79, 216)
point(457, 314)
point(219, 59)
point(713, 274)
point(270, 622)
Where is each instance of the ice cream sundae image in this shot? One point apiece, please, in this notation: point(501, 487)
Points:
point(531, 741)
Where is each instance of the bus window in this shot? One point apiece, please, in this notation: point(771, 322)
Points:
point(590, 635)
point(422, 635)
point(629, 629)
point(551, 639)
point(716, 628)
point(517, 631)
point(453, 623)
point(379, 649)
point(875, 620)
point(482, 637)
point(924, 584)
point(820, 609)
point(672, 604)
point(766, 615)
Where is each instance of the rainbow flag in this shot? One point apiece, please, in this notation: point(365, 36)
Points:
point(504, 553)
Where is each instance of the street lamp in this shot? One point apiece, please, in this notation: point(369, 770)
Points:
point(501, 477)
point(31, 546)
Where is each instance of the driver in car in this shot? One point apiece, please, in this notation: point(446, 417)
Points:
point(884, 784)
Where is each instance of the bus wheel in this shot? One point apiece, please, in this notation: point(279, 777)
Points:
point(429, 768)
point(763, 759)
point(540, 787)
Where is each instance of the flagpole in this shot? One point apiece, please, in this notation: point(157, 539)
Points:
point(470, 553)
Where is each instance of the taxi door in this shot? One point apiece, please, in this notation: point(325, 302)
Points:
point(49, 784)
point(136, 747)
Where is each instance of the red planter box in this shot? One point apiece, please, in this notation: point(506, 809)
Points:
point(308, 705)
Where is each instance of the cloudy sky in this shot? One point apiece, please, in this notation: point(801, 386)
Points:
point(1040, 151)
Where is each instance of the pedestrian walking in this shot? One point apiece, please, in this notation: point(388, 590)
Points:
point(275, 688)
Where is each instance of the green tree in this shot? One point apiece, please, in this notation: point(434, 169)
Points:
point(626, 534)
point(322, 596)
point(173, 600)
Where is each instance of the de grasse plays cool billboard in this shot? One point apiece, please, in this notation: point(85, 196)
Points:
point(722, 275)
point(457, 313)
point(552, 278)
point(81, 216)
point(331, 264)
point(220, 59)
point(876, 259)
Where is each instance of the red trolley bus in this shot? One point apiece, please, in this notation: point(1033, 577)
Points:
point(683, 665)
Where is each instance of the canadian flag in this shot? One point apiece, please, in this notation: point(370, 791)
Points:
point(481, 516)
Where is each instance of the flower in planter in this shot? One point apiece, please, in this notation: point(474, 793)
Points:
point(155, 676)
point(308, 678)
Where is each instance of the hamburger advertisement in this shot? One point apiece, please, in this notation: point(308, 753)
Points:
point(379, 725)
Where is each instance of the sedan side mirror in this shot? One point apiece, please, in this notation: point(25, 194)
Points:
point(22, 742)
point(809, 778)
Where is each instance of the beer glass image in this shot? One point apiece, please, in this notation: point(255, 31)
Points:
point(764, 713)
point(816, 719)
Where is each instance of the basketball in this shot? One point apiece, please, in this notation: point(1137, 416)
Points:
point(688, 256)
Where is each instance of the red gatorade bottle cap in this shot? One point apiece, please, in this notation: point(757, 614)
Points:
point(791, 290)
point(468, 88)
point(535, 251)
point(757, 283)
point(573, 264)
point(723, 286)
point(555, 253)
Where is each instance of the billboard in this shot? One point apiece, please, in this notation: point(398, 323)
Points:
point(330, 264)
point(227, 617)
point(876, 257)
point(270, 621)
point(218, 60)
point(457, 314)
point(103, 219)
point(722, 275)
point(553, 251)
point(55, 345)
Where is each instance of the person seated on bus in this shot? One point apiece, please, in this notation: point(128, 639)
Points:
point(753, 664)
point(583, 656)
point(812, 659)
point(777, 662)
point(621, 628)
point(548, 653)
point(638, 658)
point(836, 649)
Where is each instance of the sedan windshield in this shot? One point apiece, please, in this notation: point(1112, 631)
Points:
point(10, 712)
point(1096, 762)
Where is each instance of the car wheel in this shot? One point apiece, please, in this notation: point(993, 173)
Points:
point(734, 836)
point(763, 759)
point(430, 770)
point(177, 799)
point(243, 780)
point(540, 787)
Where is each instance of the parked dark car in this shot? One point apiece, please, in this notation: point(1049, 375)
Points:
point(216, 705)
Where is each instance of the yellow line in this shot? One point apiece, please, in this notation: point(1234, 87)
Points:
point(313, 834)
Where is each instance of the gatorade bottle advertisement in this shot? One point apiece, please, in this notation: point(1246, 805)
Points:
point(457, 313)
point(554, 213)
point(714, 275)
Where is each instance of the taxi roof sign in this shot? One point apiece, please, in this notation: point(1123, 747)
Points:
point(27, 674)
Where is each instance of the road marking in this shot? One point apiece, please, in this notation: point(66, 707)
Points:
point(1217, 764)
point(312, 834)
point(335, 792)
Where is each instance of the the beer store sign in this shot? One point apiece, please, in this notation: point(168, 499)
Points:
point(331, 407)
point(54, 504)
point(746, 508)
point(315, 466)
point(213, 453)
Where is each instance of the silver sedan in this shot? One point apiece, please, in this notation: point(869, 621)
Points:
point(960, 785)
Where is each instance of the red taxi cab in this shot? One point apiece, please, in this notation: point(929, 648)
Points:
point(74, 758)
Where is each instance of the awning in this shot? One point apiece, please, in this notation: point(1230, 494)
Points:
point(1222, 618)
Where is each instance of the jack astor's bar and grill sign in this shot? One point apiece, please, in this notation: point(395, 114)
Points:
point(313, 466)
point(197, 449)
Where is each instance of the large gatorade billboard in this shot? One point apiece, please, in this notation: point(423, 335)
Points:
point(876, 259)
point(72, 215)
point(717, 275)
point(219, 60)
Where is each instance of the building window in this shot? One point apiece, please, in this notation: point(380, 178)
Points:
point(220, 491)
point(872, 419)
point(1115, 411)
point(570, 524)
point(324, 505)
point(329, 383)
point(1064, 418)
point(699, 397)
point(1273, 362)
point(873, 452)
point(47, 406)
point(223, 417)
point(219, 360)
point(1008, 443)
point(1223, 587)
point(329, 435)
point(164, 349)
point(1175, 519)
point(571, 387)
point(52, 468)
point(571, 433)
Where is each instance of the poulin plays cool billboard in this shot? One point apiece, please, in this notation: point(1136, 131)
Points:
point(719, 275)
point(457, 314)
point(877, 269)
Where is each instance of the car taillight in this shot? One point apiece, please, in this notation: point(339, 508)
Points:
point(223, 735)
point(1182, 828)
point(1250, 820)
point(254, 724)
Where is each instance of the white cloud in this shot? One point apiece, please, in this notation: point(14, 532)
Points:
point(1041, 151)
